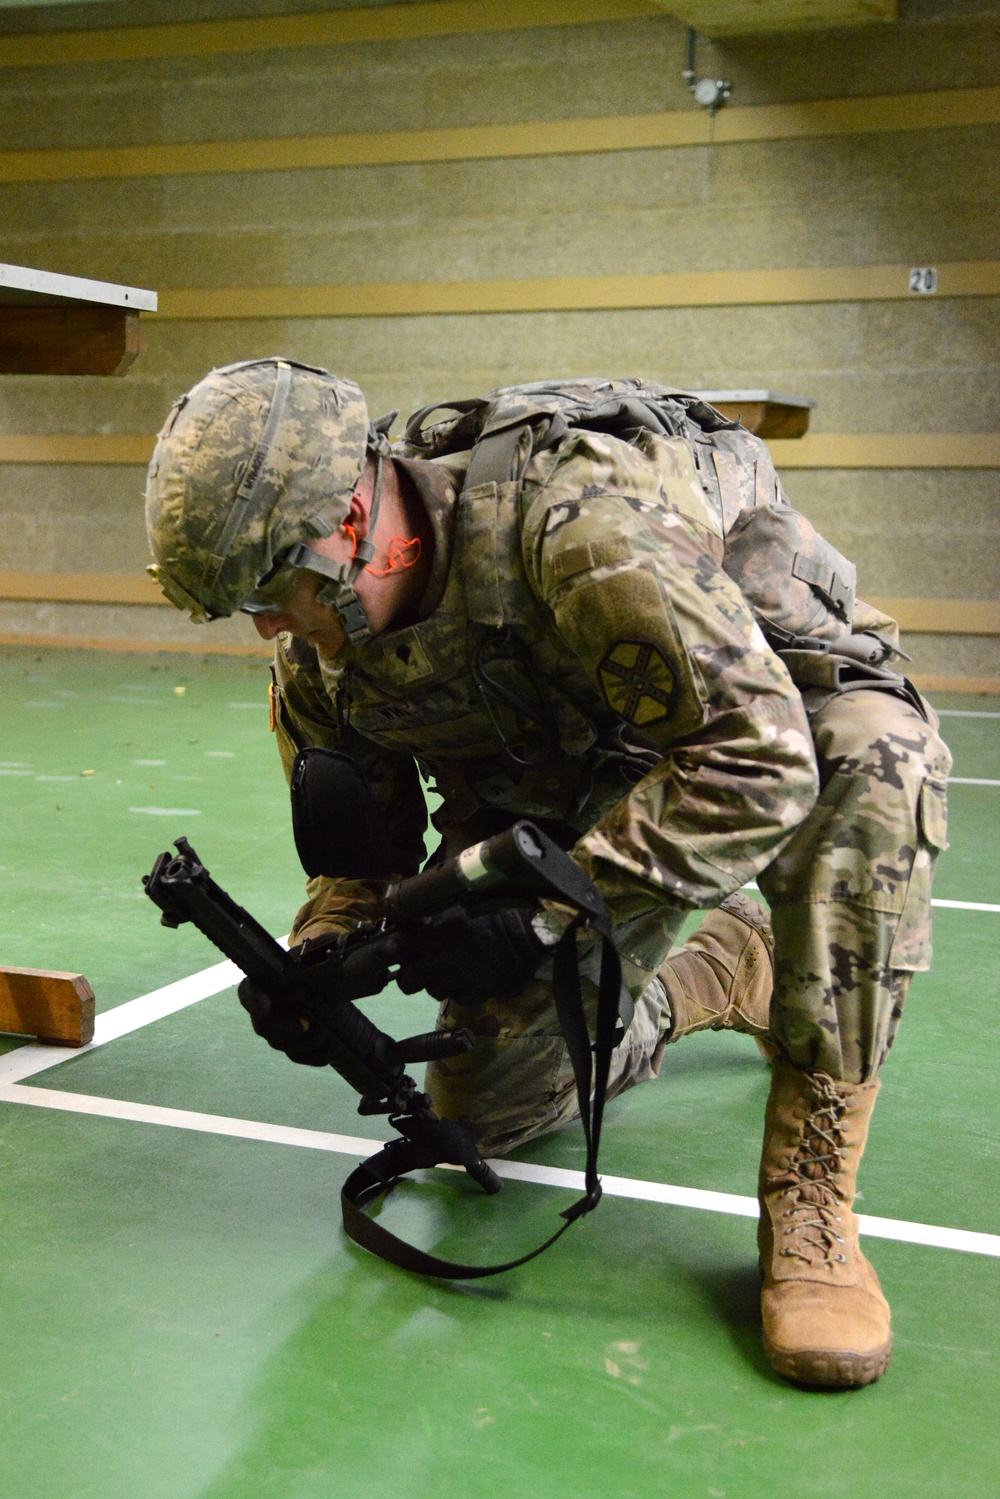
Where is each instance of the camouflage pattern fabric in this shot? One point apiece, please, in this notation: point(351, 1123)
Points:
point(734, 467)
point(612, 549)
point(661, 731)
point(335, 907)
point(852, 921)
point(850, 894)
point(518, 1082)
point(222, 504)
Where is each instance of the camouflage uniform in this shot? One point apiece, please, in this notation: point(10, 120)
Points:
point(584, 658)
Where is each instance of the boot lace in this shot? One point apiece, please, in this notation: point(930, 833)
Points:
point(811, 1198)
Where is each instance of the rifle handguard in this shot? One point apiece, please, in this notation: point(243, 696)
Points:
point(522, 861)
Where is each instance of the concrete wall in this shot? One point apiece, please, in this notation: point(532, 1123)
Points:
point(915, 196)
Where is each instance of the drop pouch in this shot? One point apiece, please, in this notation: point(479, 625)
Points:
point(796, 583)
point(338, 825)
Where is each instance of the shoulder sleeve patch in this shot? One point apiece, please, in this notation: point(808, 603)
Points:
point(638, 681)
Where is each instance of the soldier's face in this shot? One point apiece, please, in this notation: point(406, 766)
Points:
point(301, 614)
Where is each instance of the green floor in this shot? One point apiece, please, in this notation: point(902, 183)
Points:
point(182, 1317)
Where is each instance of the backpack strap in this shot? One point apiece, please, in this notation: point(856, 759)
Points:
point(494, 457)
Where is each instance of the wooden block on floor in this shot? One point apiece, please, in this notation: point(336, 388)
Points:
point(54, 1007)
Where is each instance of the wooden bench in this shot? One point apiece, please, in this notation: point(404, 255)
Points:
point(61, 325)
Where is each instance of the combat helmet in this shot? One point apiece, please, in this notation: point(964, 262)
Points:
point(254, 461)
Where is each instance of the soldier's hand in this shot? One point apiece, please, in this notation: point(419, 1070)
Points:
point(470, 958)
point(301, 1040)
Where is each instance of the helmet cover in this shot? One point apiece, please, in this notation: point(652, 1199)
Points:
point(256, 458)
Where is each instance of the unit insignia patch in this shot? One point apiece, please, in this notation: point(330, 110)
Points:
point(638, 681)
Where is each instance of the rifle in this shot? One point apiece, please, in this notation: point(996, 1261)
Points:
point(319, 983)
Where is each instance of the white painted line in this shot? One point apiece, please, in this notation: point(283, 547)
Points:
point(547, 1176)
point(746, 1207)
point(970, 781)
point(625, 1186)
point(28, 1061)
point(931, 1235)
point(167, 811)
point(33, 1058)
point(964, 905)
point(206, 1124)
point(963, 713)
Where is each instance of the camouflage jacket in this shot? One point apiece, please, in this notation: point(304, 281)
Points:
point(583, 657)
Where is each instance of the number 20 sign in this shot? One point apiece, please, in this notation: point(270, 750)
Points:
point(923, 279)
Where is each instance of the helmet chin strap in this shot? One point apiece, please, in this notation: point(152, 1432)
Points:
point(338, 591)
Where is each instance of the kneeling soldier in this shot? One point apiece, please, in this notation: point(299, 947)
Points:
point(590, 604)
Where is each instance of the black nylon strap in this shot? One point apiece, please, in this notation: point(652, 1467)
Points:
point(492, 460)
point(379, 1174)
point(361, 1188)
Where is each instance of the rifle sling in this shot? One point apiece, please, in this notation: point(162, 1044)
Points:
point(370, 1181)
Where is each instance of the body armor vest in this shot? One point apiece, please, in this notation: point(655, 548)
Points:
point(483, 693)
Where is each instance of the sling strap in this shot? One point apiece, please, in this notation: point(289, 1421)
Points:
point(425, 1140)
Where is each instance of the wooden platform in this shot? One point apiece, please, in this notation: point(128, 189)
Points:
point(67, 325)
point(766, 413)
point(61, 325)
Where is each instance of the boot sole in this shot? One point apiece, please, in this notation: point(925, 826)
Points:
point(828, 1369)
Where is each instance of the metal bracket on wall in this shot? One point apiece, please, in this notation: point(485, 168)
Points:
point(710, 93)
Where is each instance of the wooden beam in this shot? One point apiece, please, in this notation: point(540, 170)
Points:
point(83, 447)
point(82, 340)
point(265, 652)
point(54, 1007)
point(718, 18)
point(931, 110)
point(768, 418)
point(326, 29)
point(889, 450)
point(81, 588)
point(202, 645)
point(931, 616)
point(873, 283)
point(51, 324)
point(936, 682)
point(943, 616)
point(26, 286)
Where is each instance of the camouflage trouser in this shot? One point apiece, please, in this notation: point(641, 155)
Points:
point(850, 896)
point(850, 893)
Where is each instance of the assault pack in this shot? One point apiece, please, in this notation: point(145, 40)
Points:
point(507, 426)
point(798, 585)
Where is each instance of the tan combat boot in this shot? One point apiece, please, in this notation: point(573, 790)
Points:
point(721, 979)
point(826, 1321)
